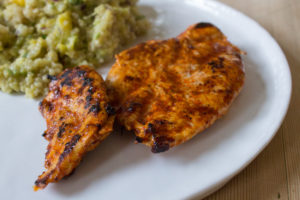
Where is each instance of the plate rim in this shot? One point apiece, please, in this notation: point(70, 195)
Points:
point(221, 183)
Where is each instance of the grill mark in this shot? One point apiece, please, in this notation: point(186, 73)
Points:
point(150, 129)
point(133, 106)
point(141, 121)
point(99, 126)
point(162, 122)
point(217, 64)
point(110, 110)
point(80, 90)
point(41, 182)
point(203, 25)
point(48, 150)
point(91, 90)
point(67, 81)
point(66, 73)
point(88, 98)
point(87, 81)
point(50, 106)
point(95, 108)
point(161, 144)
point(228, 97)
point(128, 78)
point(88, 101)
point(205, 110)
point(69, 147)
point(209, 84)
point(81, 73)
point(61, 130)
point(158, 127)
point(51, 78)
point(176, 50)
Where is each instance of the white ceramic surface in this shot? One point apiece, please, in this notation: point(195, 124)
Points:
point(119, 169)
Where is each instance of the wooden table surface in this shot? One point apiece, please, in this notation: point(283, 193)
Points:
point(275, 173)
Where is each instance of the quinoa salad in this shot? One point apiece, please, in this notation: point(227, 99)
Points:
point(39, 38)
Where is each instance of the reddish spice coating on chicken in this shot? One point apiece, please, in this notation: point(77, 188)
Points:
point(78, 118)
point(168, 91)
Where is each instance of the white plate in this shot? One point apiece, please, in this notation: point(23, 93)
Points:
point(119, 169)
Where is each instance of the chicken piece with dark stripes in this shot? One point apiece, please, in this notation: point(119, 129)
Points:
point(168, 91)
point(78, 118)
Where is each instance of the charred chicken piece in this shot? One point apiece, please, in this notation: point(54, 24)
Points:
point(168, 91)
point(78, 118)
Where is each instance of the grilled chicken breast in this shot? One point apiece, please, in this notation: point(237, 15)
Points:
point(168, 91)
point(78, 118)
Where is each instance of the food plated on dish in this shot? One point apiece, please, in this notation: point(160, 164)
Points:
point(43, 37)
point(192, 169)
point(166, 92)
point(78, 117)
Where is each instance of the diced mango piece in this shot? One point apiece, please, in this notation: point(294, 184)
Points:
point(62, 48)
point(65, 21)
point(33, 41)
point(19, 2)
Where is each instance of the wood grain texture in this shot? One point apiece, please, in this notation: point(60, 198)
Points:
point(275, 173)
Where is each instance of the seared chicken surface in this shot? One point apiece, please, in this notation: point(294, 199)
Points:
point(78, 118)
point(168, 91)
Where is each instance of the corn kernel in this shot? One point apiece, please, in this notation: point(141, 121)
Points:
point(33, 41)
point(19, 2)
point(62, 48)
point(65, 21)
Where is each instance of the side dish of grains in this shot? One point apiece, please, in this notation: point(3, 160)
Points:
point(42, 37)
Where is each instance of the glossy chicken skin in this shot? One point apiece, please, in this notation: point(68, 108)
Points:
point(169, 91)
point(78, 118)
